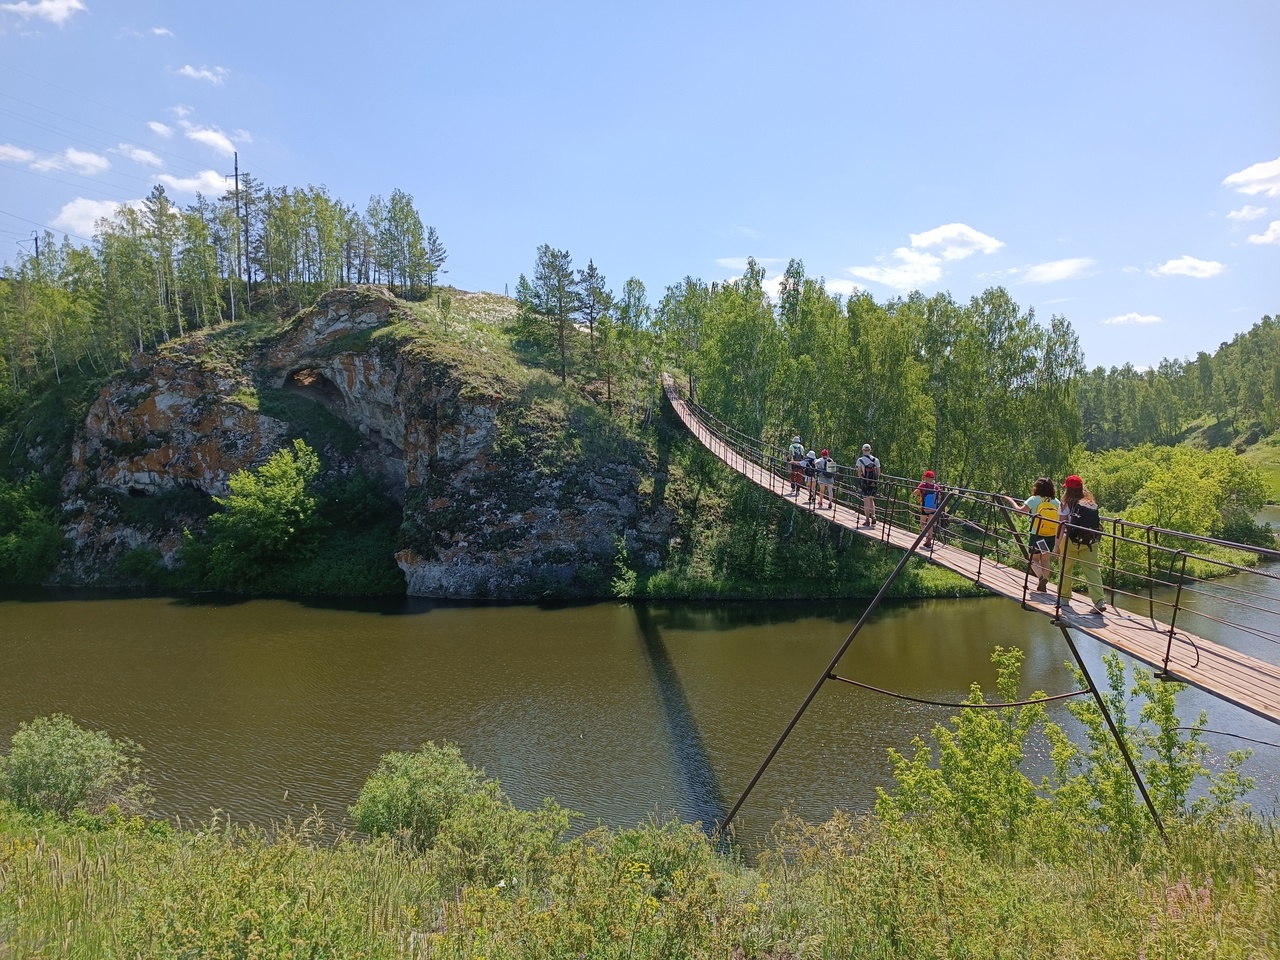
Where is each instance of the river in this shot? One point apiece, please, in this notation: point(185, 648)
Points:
point(265, 709)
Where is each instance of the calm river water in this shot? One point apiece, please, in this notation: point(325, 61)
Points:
point(266, 708)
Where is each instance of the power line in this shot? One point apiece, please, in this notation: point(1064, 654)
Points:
point(46, 226)
point(106, 193)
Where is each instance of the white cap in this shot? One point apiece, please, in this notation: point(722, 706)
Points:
point(866, 448)
point(812, 454)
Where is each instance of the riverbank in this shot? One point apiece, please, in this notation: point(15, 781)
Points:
point(846, 887)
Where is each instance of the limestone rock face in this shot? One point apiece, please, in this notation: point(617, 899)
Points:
point(482, 518)
point(176, 428)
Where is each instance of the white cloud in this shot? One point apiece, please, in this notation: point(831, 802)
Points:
point(80, 215)
point(206, 181)
point(1247, 212)
point(1271, 236)
point(958, 240)
point(215, 75)
point(915, 267)
point(772, 286)
point(70, 159)
point(846, 288)
point(11, 154)
point(210, 137)
point(1056, 270)
point(163, 129)
point(1130, 269)
point(1189, 267)
point(915, 270)
point(161, 32)
point(1126, 318)
point(55, 11)
point(739, 264)
point(138, 155)
point(1261, 178)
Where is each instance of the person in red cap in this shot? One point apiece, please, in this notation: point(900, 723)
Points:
point(927, 494)
point(1079, 530)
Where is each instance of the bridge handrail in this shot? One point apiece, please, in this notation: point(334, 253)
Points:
point(1130, 555)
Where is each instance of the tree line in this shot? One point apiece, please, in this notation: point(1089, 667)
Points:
point(1238, 386)
point(156, 271)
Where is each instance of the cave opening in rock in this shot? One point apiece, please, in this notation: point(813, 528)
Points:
point(314, 385)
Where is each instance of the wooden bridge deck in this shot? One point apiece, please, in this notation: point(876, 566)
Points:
point(1236, 677)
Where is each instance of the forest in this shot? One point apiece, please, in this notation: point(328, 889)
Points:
point(983, 392)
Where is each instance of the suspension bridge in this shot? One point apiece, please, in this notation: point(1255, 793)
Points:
point(1156, 580)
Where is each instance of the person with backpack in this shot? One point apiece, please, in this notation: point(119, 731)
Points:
point(1043, 507)
point(928, 493)
point(795, 460)
point(869, 480)
point(826, 480)
point(811, 475)
point(1079, 531)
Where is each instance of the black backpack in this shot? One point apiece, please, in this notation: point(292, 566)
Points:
point(1086, 525)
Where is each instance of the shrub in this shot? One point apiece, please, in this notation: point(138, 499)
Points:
point(462, 822)
point(269, 517)
point(411, 794)
point(54, 766)
point(30, 540)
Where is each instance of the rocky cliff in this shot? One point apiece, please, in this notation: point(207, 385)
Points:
point(503, 484)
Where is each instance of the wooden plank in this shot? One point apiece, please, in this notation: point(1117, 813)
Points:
point(1233, 676)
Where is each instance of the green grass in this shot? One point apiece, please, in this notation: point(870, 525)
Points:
point(844, 888)
point(1265, 455)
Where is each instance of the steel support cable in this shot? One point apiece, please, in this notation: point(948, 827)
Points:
point(960, 705)
point(1120, 742)
point(848, 641)
point(1228, 733)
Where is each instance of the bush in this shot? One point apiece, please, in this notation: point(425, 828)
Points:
point(30, 540)
point(460, 821)
point(54, 766)
point(270, 517)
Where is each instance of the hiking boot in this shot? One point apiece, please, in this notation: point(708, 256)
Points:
point(1042, 585)
point(1100, 606)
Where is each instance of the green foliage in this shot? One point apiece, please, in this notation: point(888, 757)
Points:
point(1095, 788)
point(913, 377)
point(1237, 388)
point(268, 518)
point(30, 540)
point(54, 766)
point(843, 888)
point(434, 803)
point(411, 794)
point(1210, 494)
point(968, 785)
point(976, 790)
point(309, 420)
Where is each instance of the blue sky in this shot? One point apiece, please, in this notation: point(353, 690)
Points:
point(1118, 164)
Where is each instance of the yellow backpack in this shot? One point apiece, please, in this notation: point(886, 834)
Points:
point(1045, 522)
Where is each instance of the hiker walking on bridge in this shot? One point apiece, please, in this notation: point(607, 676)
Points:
point(927, 494)
point(1043, 507)
point(1079, 530)
point(826, 480)
point(868, 479)
point(795, 460)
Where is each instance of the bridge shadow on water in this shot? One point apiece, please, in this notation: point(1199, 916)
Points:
point(703, 799)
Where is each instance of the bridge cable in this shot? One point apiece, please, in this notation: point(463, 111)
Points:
point(1120, 742)
point(925, 530)
point(962, 705)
